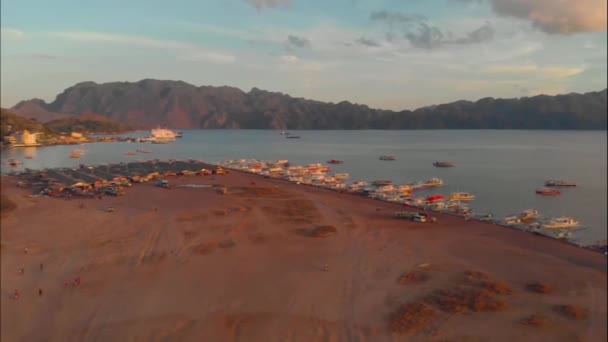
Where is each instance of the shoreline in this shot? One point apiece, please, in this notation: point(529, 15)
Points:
point(598, 246)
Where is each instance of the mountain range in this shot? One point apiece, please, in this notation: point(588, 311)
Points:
point(176, 104)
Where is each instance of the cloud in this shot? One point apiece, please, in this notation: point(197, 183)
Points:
point(289, 59)
point(367, 42)
point(188, 51)
point(261, 4)
point(557, 16)
point(10, 33)
point(550, 72)
point(421, 34)
point(297, 42)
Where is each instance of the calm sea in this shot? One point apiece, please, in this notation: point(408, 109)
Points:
point(502, 168)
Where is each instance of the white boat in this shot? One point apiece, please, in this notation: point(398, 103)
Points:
point(561, 223)
point(433, 182)
point(162, 135)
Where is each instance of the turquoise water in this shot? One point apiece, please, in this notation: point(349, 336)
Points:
point(502, 168)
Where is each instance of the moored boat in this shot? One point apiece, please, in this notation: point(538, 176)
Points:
point(528, 215)
point(548, 192)
point(381, 182)
point(443, 164)
point(561, 223)
point(335, 161)
point(387, 158)
point(554, 182)
point(433, 182)
point(462, 196)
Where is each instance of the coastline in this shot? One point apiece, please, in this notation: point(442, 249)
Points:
point(173, 272)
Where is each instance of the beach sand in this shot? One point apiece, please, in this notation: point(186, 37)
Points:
point(245, 266)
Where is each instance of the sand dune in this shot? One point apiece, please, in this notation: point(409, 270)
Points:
point(250, 266)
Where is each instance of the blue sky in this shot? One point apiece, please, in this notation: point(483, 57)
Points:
point(393, 54)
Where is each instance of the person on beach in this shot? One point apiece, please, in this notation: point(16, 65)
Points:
point(41, 266)
point(77, 281)
point(25, 250)
point(21, 271)
point(326, 267)
point(16, 294)
point(40, 292)
point(66, 283)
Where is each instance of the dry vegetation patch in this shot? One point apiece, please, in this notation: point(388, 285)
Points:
point(6, 205)
point(535, 320)
point(204, 248)
point(323, 231)
point(458, 300)
point(293, 211)
point(413, 277)
point(259, 192)
point(572, 312)
point(540, 288)
point(410, 318)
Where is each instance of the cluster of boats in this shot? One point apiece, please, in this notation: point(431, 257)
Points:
point(550, 187)
point(383, 189)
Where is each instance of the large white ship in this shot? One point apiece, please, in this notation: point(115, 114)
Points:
point(162, 135)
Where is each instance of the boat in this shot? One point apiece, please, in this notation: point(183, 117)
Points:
point(510, 220)
point(434, 199)
point(14, 162)
point(382, 182)
point(162, 135)
point(77, 154)
point(335, 161)
point(462, 196)
point(528, 215)
point(342, 176)
point(553, 182)
point(289, 136)
point(179, 134)
point(561, 223)
point(285, 133)
point(433, 182)
point(143, 151)
point(387, 158)
point(443, 164)
point(484, 217)
point(548, 192)
point(130, 153)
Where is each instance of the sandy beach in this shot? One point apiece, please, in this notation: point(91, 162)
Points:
point(191, 264)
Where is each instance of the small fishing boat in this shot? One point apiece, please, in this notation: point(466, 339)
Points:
point(143, 151)
point(434, 199)
point(342, 176)
point(335, 161)
point(130, 153)
point(561, 223)
point(443, 164)
point(14, 162)
point(387, 158)
point(462, 196)
point(548, 192)
point(484, 217)
point(561, 183)
point(292, 136)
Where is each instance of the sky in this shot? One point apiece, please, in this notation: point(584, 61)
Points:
point(389, 54)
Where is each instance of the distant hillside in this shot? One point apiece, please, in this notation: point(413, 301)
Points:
point(11, 122)
point(178, 104)
point(87, 123)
